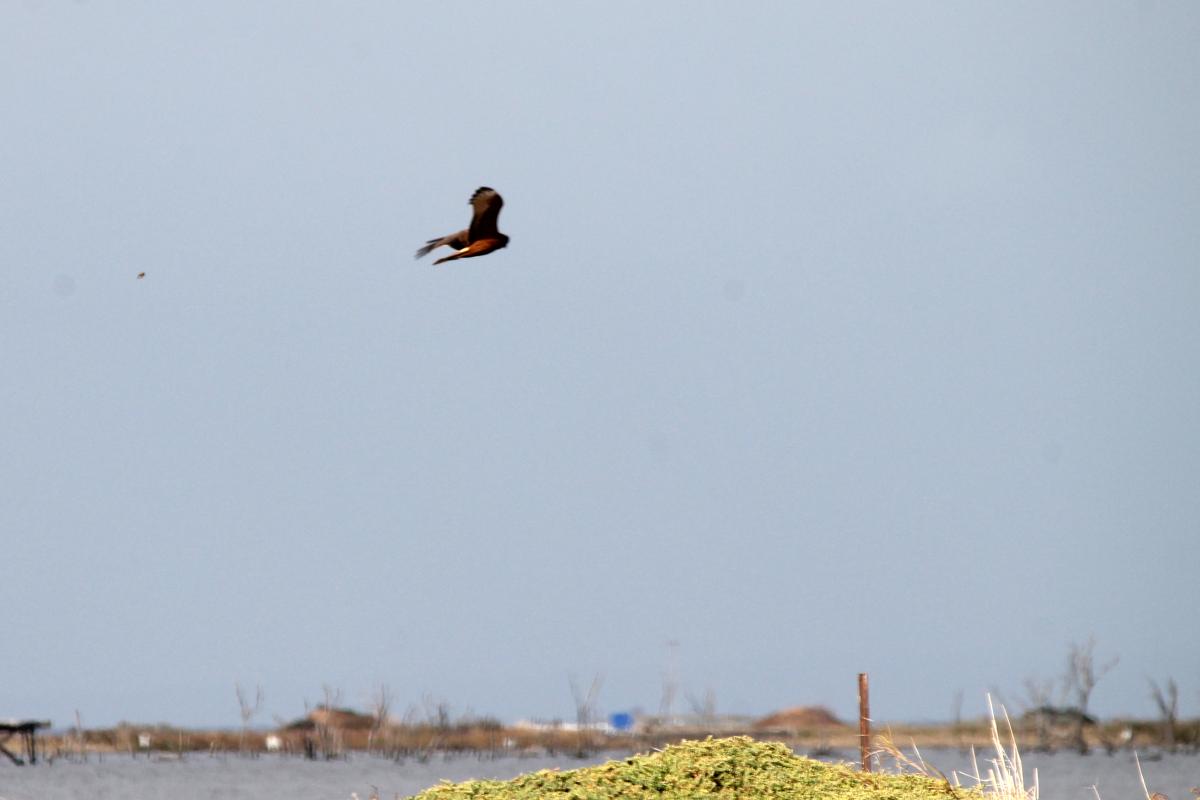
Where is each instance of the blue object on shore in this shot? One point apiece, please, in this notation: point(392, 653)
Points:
point(621, 721)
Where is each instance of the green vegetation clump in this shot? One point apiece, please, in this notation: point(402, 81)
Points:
point(737, 767)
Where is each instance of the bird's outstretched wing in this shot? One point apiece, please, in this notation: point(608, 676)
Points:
point(487, 204)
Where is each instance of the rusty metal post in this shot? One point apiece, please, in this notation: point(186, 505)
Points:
point(864, 722)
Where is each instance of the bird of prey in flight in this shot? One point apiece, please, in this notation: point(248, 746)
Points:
point(482, 237)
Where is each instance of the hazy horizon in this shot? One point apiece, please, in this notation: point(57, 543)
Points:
point(829, 339)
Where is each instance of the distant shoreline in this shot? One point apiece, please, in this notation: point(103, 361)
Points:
point(335, 738)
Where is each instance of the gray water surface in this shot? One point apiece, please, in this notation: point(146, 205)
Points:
point(1064, 776)
point(1070, 776)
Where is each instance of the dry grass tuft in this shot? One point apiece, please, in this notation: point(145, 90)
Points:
point(1004, 778)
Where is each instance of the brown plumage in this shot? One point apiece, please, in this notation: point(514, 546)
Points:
point(482, 237)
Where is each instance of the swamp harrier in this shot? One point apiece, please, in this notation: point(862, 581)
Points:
point(482, 237)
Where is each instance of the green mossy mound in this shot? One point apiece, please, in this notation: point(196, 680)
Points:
point(737, 767)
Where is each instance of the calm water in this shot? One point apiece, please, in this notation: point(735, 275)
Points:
point(1069, 776)
point(201, 777)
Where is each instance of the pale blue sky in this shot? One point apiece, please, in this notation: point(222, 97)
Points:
point(831, 337)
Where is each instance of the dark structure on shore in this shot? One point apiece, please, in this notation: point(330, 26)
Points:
point(27, 730)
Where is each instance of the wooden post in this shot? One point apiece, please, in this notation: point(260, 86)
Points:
point(864, 722)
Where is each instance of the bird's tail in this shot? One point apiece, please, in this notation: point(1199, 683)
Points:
point(429, 246)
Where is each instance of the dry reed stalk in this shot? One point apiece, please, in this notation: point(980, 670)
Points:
point(1005, 778)
point(1006, 775)
point(1141, 777)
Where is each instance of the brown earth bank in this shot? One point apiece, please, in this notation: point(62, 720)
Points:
point(335, 732)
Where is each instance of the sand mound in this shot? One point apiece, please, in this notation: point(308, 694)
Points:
point(791, 719)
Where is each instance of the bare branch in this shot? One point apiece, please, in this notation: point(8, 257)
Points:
point(1081, 678)
point(247, 711)
point(1167, 700)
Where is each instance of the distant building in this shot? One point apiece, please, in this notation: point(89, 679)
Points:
point(341, 718)
point(559, 725)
